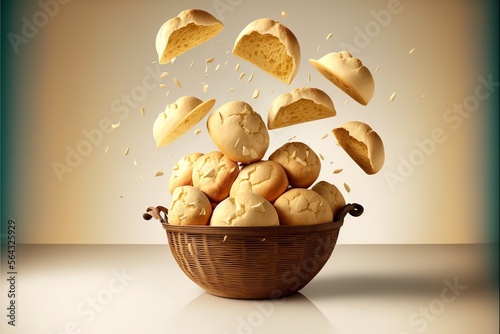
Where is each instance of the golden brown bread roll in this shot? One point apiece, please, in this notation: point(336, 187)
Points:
point(271, 46)
point(178, 118)
point(182, 172)
point(362, 144)
point(301, 164)
point(300, 206)
point(348, 73)
point(332, 195)
point(187, 30)
point(189, 206)
point(239, 132)
point(244, 209)
point(265, 178)
point(214, 174)
point(301, 105)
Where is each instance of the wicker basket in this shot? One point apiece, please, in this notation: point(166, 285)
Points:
point(245, 262)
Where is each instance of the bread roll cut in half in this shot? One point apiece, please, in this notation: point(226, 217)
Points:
point(182, 172)
point(348, 73)
point(244, 209)
point(301, 164)
point(239, 132)
point(214, 174)
point(178, 118)
point(189, 206)
point(300, 105)
point(300, 206)
point(265, 178)
point(332, 195)
point(362, 144)
point(271, 46)
point(187, 30)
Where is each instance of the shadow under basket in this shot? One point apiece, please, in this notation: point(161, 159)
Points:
point(252, 262)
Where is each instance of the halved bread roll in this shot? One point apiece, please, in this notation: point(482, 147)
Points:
point(180, 34)
point(271, 46)
point(362, 144)
point(302, 104)
point(179, 117)
point(348, 73)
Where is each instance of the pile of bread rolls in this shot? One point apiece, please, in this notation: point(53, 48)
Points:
point(241, 183)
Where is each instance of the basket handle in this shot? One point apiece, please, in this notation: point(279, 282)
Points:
point(159, 212)
point(353, 209)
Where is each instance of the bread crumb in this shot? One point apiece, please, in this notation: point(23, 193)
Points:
point(336, 171)
point(378, 66)
point(225, 63)
point(217, 67)
point(205, 88)
point(346, 101)
point(321, 156)
point(250, 77)
point(325, 135)
point(163, 86)
point(143, 111)
point(159, 173)
point(255, 94)
point(126, 151)
point(308, 77)
point(318, 48)
point(237, 67)
point(164, 75)
point(191, 65)
point(154, 62)
point(209, 60)
point(141, 177)
point(114, 126)
point(166, 94)
point(135, 163)
point(423, 95)
point(411, 51)
point(263, 239)
point(106, 149)
point(242, 74)
point(329, 36)
point(197, 131)
point(173, 59)
point(284, 14)
point(391, 98)
point(231, 89)
point(177, 82)
point(347, 188)
point(206, 70)
point(225, 237)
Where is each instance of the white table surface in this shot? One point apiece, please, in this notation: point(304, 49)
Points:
point(392, 289)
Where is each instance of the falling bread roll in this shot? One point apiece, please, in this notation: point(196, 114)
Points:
point(332, 195)
point(271, 46)
point(303, 207)
point(187, 30)
point(214, 174)
point(301, 164)
point(178, 118)
point(182, 172)
point(348, 73)
point(300, 105)
point(265, 178)
point(189, 206)
point(239, 132)
point(362, 144)
point(244, 209)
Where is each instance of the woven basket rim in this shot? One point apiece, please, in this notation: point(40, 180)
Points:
point(161, 213)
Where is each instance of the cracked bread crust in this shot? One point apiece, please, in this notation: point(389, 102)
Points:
point(300, 206)
point(265, 178)
point(182, 172)
point(245, 209)
point(239, 132)
point(190, 206)
point(332, 195)
point(302, 165)
point(214, 173)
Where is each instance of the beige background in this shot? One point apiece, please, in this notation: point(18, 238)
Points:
point(79, 68)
